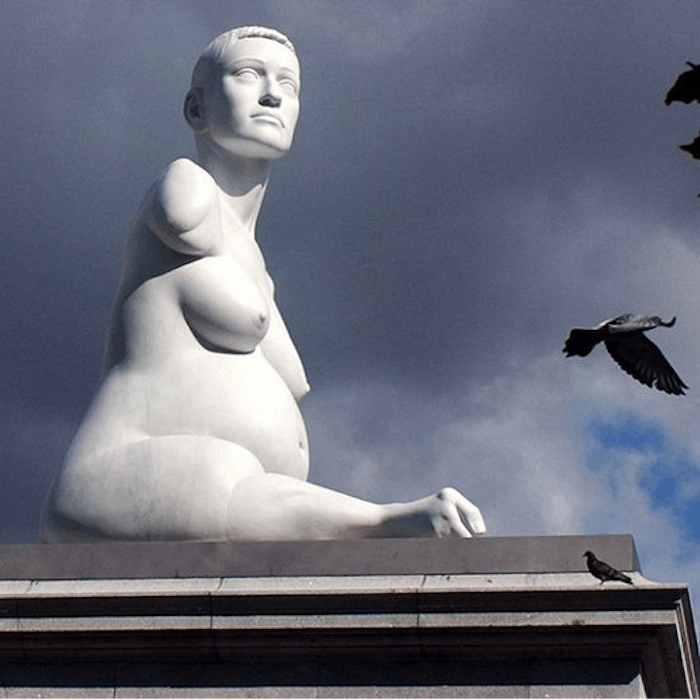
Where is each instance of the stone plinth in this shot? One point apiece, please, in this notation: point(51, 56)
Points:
point(497, 555)
point(497, 617)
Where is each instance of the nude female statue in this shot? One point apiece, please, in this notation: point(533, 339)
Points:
point(195, 432)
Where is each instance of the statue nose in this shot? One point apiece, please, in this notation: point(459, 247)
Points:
point(268, 100)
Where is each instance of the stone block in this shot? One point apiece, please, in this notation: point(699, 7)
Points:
point(488, 555)
point(455, 629)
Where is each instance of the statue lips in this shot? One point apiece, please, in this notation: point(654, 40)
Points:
point(269, 118)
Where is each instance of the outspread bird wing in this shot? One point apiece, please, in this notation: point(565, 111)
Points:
point(640, 358)
point(628, 323)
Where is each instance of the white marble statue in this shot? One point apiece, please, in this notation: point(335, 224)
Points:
point(195, 433)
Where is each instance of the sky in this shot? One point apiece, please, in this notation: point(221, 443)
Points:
point(469, 180)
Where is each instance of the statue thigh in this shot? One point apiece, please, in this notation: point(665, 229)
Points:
point(168, 487)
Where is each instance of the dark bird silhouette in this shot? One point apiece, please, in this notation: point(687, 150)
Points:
point(692, 148)
point(625, 341)
point(686, 89)
point(604, 571)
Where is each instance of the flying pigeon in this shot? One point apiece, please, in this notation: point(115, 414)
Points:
point(686, 89)
point(604, 571)
point(625, 341)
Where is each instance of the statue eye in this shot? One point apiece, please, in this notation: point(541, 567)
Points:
point(248, 75)
point(289, 86)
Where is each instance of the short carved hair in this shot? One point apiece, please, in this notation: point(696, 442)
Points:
point(211, 56)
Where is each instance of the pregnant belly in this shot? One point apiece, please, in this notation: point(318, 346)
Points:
point(239, 398)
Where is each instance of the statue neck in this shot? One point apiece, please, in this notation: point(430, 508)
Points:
point(243, 181)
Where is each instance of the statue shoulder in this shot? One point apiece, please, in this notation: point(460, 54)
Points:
point(182, 198)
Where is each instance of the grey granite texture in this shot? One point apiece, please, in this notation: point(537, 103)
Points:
point(486, 634)
point(116, 559)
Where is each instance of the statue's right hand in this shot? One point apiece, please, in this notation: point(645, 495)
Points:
point(445, 514)
point(451, 515)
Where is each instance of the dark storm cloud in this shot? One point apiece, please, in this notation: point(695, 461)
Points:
point(438, 153)
point(468, 181)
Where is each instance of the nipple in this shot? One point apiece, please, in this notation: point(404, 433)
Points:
point(262, 319)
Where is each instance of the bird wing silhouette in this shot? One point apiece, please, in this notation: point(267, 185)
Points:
point(629, 322)
point(641, 359)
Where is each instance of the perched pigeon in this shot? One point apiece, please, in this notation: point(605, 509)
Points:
point(625, 341)
point(686, 89)
point(604, 571)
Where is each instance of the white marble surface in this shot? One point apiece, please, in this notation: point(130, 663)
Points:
point(195, 432)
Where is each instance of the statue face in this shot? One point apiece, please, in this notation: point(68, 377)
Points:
point(253, 105)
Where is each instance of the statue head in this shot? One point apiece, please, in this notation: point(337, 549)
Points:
point(244, 95)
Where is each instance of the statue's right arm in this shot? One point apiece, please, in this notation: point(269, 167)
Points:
point(274, 507)
point(182, 198)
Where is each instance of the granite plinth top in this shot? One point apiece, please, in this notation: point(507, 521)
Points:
point(119, 559)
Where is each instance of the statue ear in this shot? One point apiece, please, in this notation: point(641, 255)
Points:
point(194, 112)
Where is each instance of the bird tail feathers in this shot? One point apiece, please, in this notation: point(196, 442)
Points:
point(581, 341)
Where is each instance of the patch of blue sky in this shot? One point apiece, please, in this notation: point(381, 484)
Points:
point(626, 446)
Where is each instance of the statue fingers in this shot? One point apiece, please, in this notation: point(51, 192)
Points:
point(466, 511)
point(457, 526)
